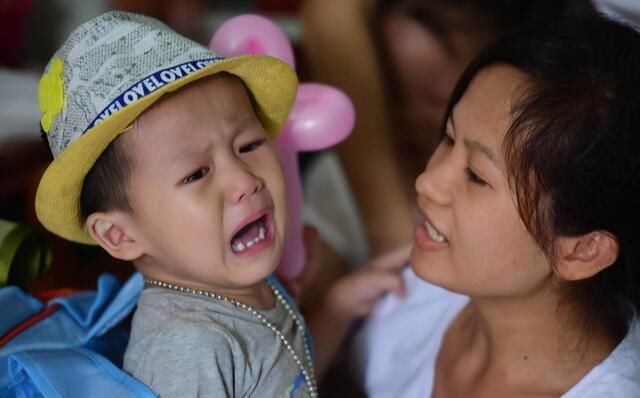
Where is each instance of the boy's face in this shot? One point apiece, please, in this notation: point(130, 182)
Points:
point(207, 189)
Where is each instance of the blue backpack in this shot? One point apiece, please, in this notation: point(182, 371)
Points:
point(71, 346)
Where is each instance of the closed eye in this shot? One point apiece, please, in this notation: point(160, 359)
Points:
point(473, 177)
point(195, 176)
point(252, 146)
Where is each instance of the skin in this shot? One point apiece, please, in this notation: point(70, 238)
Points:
point(190, 196)
point(514, 338)
point(399, 132)
point(465, 195)
point(425, 66)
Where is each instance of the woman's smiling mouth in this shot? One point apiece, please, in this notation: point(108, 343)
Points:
point(434, 233)
point(428, 237)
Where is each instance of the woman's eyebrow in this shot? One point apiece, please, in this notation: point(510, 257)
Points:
point(477, 146)
point(474, 145)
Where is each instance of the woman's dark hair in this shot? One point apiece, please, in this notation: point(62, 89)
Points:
point(105, 186)
point(573, 148)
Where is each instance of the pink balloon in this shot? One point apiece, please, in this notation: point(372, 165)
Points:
point(252, 34)
point(321, 117)
point(293, 253)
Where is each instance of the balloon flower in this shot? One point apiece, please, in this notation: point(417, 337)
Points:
point(321, 117)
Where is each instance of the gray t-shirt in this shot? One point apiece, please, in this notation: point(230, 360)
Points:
point(185, 345)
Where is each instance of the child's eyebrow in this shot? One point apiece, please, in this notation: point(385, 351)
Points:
point(194, 149)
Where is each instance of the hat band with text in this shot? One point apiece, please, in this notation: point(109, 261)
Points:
point(148, 85)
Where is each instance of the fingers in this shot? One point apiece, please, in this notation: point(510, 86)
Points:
point(393, 260)
point(370, 285)
point(386, 282)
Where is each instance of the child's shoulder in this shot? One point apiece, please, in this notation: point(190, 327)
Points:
point(174, 337)
point(184, 355)
point(162, 312)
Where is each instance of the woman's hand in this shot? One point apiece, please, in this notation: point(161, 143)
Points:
point(355, 295)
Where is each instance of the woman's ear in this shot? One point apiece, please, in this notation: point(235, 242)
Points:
point(584, 256)
point(113, 232)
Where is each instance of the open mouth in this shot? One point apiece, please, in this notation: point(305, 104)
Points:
point(252, 234)
point(434, 233)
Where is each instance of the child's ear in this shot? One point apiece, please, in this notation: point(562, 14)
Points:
point(584, 256)
point(112, 231)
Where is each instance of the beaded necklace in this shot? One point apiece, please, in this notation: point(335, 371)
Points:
point(308, 373)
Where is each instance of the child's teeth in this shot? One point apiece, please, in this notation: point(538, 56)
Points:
point(433, 233)
point(239, 247)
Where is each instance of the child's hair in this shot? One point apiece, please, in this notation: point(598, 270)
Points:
point(105, 186)
point(572, 150)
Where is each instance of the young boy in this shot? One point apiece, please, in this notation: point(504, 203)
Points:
point(163, 157)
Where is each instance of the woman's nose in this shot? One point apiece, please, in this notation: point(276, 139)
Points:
point(436, 181)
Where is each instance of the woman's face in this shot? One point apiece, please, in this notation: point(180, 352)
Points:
point(470, 238)
point(424, 68)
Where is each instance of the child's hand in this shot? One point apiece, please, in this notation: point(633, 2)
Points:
point(354, 295)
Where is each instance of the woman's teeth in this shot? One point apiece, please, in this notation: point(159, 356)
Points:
point(239, 247)
point(433, 233)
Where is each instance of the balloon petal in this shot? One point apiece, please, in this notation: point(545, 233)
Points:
point(293, 253)
point(321, 117)
point(252, 34)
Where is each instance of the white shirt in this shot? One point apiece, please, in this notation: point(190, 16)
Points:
point(396, 349)
point(623, 10)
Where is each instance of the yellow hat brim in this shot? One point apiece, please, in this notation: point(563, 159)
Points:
point(271, 83)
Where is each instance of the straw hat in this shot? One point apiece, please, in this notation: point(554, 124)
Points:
point(105, 75)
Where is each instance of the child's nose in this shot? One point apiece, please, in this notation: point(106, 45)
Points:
point(241, 184)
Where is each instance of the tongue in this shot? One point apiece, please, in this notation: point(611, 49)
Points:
point(247, 234)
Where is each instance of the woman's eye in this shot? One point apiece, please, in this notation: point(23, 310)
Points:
point(198, 174)
point(252, 146)
point(473, 177)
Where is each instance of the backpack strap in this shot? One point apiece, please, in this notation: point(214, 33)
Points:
point(71, 372)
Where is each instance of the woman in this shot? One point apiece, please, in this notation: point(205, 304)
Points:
point(526, 245)
point(398, 60)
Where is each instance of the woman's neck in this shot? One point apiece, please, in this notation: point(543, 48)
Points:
point(518, 346)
